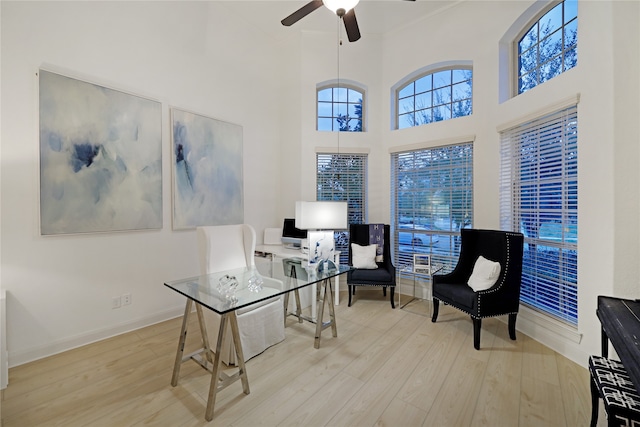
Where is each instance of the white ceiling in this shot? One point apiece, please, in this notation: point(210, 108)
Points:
point(374, 16)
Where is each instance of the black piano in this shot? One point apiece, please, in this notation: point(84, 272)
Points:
point(620, 320)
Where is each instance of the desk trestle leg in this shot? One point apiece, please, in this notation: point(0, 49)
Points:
point(321, 324)
point(220, 380)
point(203, 333)
point(212, 361)
point(298, 312)
point(181, 342)
point(292, 276)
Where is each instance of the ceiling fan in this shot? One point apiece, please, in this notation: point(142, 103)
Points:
point(343, 8)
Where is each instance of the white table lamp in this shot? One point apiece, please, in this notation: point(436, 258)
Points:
point(321, 218)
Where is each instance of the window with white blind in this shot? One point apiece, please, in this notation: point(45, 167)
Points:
point(431, 200)
point(539, 198)
point(342, 177)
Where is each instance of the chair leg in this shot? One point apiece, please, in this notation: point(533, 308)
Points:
point(351, 292)
point(436, 305)
point(384, 291)
point(595, 396)
point(604, 343)
point(392, 295)
point(512, 326)
point(477, 325)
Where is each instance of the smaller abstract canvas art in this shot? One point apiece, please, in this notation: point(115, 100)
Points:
point(207, 171)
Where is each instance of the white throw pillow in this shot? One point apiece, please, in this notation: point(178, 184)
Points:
point(363, 256)
point(485, 273)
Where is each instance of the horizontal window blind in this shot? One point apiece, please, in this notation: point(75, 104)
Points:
point(342, 177)
point(539, 198)
point(431, 199)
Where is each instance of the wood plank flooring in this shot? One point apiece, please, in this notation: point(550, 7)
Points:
point(386, 368)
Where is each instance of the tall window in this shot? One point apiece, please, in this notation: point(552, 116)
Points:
point(549, 47)
point(539, 197)
point(442, 95)
point(340, 109)
point(431, 199)
point(342, 177)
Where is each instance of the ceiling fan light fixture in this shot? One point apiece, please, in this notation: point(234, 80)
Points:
point(336, 5)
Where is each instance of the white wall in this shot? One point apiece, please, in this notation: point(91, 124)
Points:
point(192, 55)
point(60, 287)
point(626, 131)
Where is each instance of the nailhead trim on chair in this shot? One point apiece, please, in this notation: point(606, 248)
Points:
point(493, 289)
point(474, 316)
point(373, 284)
point(504, 277)
point(614, 386)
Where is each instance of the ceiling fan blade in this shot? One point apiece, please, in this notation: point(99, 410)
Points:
point(301, 13)
point(351, 25)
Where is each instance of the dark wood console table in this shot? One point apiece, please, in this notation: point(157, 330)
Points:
point(620, 320)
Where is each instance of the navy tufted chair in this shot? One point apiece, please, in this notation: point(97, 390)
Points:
point(384, 275)
point(502, 298)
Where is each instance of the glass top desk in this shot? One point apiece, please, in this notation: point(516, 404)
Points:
point(254, 285)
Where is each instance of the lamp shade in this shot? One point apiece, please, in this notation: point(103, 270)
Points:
point(334, 5)
point(321, 215)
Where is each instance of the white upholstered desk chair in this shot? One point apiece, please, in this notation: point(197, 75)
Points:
point(228, 247)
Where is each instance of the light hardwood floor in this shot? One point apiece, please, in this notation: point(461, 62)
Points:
point(386, 368)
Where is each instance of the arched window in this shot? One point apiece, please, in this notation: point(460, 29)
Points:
point(340, 108)
point(440, 95)
point(549, 46)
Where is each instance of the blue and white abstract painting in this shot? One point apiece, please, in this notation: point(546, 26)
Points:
point(100, 158)
point(207, 160)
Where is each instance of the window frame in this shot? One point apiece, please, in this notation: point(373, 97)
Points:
point(443, 252)
point(356, 207)
point(341, 85)
point(515, 75)
point(424, 72)
point(543, 129)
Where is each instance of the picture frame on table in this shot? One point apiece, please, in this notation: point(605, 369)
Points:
point(422, 263)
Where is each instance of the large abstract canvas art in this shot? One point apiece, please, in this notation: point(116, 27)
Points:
point(100, 158)
point(207, 171)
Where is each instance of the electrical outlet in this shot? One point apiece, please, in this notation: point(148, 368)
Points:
point(126, 299)
point(115, 302)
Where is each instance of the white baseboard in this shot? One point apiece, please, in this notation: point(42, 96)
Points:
point(35, 353)
point(555, 335)
point(4, 356)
